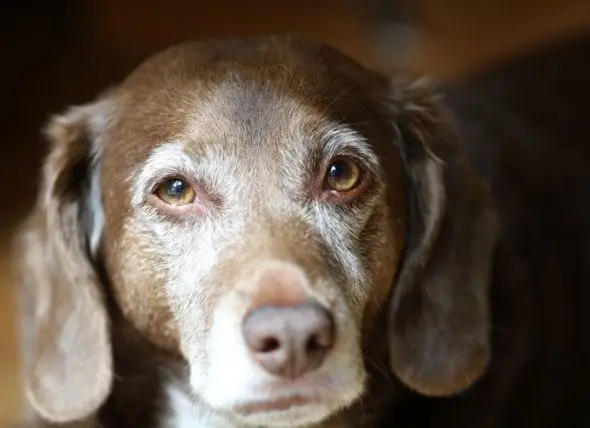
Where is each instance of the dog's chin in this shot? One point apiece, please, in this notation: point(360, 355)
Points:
point(286, 412)
point(303, 403)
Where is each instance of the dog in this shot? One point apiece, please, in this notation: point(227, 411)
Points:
point(262, 232)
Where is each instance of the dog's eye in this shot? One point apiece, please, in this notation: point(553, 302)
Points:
point(343, 175)
point(176, 192)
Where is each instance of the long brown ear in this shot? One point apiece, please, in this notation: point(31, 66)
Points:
point(439, 316)
point(67, 355)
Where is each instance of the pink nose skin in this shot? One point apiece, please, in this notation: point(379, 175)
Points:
point(289, 341)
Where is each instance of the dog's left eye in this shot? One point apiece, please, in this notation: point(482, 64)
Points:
point(175, 191)
point(343, 175)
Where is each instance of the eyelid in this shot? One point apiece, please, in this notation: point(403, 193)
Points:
point(362, 160)
point(161, 181)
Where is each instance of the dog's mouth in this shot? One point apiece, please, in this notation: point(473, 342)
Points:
point(302, 402)
point(283, 404)
point(287, 397)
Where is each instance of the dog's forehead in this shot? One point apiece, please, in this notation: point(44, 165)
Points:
point(290, 62)
point(180, 77)
point(238, 92)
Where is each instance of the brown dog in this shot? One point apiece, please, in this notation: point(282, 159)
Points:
point(218, 240)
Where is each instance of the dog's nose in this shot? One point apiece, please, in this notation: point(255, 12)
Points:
point(289, 341)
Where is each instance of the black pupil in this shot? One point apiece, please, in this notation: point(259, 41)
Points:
point(175, 188)
point(339, 171)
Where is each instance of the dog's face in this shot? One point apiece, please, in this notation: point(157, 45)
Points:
point(247, 202)
point(256, 205)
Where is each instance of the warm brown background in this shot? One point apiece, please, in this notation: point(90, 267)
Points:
point(55, 53)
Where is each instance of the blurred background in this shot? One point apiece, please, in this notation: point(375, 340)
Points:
point(62, 52)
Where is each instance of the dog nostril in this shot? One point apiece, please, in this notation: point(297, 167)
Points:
point(315, 343)
point(269, 344)
point(312, 344)
point(324, 336)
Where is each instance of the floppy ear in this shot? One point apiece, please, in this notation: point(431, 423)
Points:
point(67, 355)
point(439, 323)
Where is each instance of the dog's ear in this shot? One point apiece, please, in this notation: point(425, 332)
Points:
point(67, 354)
point(439, 325)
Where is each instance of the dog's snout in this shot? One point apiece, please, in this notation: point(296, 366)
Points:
point(289, 341)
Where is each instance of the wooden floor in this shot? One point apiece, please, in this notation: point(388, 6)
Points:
point(9, 382)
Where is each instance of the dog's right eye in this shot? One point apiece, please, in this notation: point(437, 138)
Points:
point(175, 191)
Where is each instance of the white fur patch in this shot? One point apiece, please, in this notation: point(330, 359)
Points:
point(181, 412)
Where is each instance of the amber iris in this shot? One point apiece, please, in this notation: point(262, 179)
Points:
point(176, 192)
point(343, 175)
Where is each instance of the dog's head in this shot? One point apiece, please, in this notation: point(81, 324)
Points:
point(255, 205)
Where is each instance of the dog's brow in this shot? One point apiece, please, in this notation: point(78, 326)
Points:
point(166, 159)
point(341, 138)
